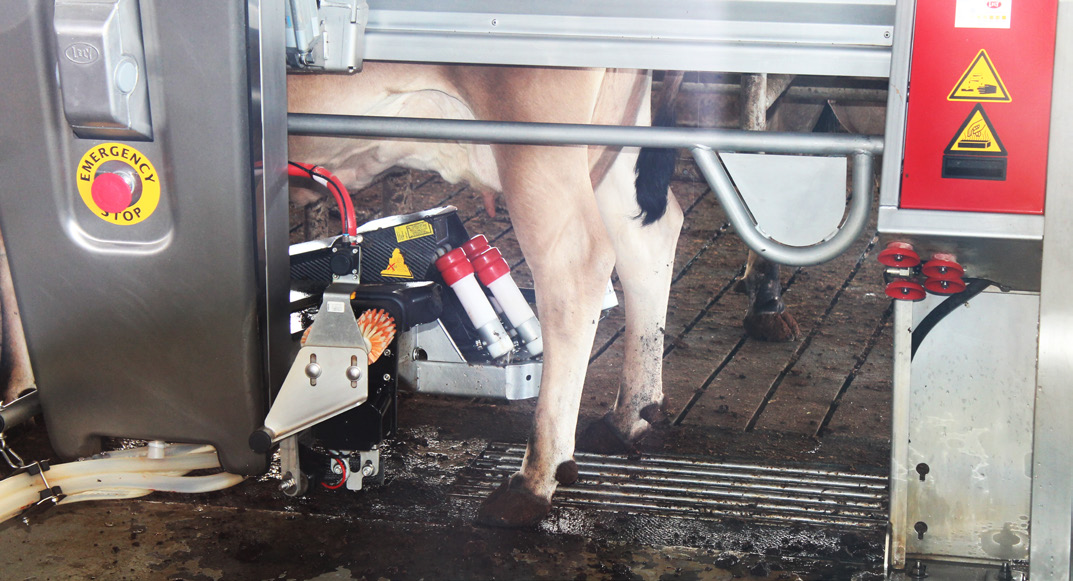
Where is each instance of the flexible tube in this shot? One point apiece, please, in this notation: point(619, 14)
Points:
point(59, 473)
point(119, 486)
point(122, 474)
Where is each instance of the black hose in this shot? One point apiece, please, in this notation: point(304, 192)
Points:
point(973, 287)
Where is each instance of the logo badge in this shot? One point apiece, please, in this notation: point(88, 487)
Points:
point(81, 53)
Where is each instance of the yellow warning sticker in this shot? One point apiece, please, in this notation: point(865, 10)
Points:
point(396, 266)
point(980, 82)
point(976, 136)
point(129, 185)
point(413, 230)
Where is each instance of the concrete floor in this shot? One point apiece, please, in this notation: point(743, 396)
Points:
point(821, 402)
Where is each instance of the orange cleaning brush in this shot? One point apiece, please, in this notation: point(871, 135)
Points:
point(378, 329)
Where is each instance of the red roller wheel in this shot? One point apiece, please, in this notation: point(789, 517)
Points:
point(899, 255)
point(905, 290)
point(942, 268)
point(945, 286)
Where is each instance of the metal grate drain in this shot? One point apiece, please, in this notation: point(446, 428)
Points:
point(686, 487)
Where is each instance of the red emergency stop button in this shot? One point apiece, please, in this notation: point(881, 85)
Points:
point(111, 193)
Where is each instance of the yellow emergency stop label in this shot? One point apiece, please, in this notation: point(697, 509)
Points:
point(136, 171)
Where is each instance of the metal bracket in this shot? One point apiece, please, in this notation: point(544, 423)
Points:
point(430, 362)
point(50, 495)
point(368, 466)
point(329, 376)
point(328, 38)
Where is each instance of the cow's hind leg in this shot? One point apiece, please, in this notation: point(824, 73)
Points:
point(644, 263)
point(766, 319)
point(559, 229)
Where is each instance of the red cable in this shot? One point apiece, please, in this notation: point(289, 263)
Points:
point(342, 481)
point(336, 187)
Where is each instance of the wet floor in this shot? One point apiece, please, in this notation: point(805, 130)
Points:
point(759, 433)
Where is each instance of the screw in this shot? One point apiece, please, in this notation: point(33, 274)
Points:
point(368, 469)
point(387, 377)
point(288, 483)
point(337, 468)
point(353, 373)
point(918, 570)
point(387, 353)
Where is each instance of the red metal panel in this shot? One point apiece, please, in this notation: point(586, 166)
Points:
point(989, 138)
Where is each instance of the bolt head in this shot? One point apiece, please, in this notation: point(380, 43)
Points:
point(353, 373)
point(314, 370)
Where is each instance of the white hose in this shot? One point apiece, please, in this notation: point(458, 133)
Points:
point(58, 473)
point(125, 474)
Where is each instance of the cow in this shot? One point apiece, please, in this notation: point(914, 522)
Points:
point(576, 212)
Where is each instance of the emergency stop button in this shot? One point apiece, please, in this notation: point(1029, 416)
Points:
point(118, 183)
point(112, 193)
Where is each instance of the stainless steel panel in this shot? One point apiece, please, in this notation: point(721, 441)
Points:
point(268, 147)
point(1004, 248)
point(897, 533)
point(796, 200)
point(1052, 491)
point(841, 37)
point(149, 330)
point(970, 422)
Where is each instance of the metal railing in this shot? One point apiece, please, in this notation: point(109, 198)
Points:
point(703, 143)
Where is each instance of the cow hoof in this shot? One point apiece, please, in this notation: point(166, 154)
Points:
point(566, 474)
point(655, 415)
point(775, 327)
point(511, 506)
point(602, 437)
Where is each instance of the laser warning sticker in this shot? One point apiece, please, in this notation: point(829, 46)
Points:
point(980, 82)
point(118, 183)
point(396, 266)
point(413, 230)
point(975, 152)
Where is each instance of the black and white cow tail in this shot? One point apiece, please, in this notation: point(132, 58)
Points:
point(655, 167)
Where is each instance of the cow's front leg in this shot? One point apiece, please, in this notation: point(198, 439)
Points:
point(766, 318)
point(558, 226)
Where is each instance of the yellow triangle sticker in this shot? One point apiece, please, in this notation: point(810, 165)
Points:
point(396, 266)
point(980, 83)
point(976, 136)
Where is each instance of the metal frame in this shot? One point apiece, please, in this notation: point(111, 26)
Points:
point(837, 37)
point(702, 142)
point(1052, 464)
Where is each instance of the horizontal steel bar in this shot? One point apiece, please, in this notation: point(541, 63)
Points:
point(576, 134)
point(814, 37)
